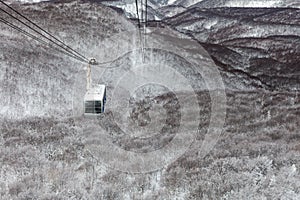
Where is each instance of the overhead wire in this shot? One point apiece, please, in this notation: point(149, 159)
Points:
point(65, 47)
point(59, 45)
point(137, 13)
point(62, 45)
point(35, 38)
point(142, 12)
point(48, 44)
point(146, 11)
point(22, 31)
point(67, 50)
point(144, 5)
point(142, 19)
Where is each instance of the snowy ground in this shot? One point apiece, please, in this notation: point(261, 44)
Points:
point(50, 151)
point(257, 156)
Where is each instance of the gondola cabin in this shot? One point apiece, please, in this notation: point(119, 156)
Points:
point(94, 100)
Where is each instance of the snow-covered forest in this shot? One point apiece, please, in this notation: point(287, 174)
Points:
point(203, 104)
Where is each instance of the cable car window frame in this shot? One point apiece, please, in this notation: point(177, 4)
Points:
point(93, 107)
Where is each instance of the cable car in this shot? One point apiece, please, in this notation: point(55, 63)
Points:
point(95, 97)
point(94, 100)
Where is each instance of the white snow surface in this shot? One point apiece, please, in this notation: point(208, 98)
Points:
point(29, 1)
point(253, 3)
point(129, 5)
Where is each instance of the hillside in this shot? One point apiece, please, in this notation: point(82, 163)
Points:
point(209, 109)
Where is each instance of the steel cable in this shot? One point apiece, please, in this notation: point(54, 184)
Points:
point(65, 47)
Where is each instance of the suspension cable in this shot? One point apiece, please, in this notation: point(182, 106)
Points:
point(59, 45)
point(47, 44)
point(68, 50)
point(62, 44)
point(146, 12)
point(137, 12)
point(22, 31)
point(37, 39)
point(142, 12)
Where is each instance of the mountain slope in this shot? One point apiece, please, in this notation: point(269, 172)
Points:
point(256, 46)
point(159, 9)
point(45, 151)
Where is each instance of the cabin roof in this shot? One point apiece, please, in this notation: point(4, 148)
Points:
point(96, 93)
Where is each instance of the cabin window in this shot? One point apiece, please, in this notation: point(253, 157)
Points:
point(93, 107)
